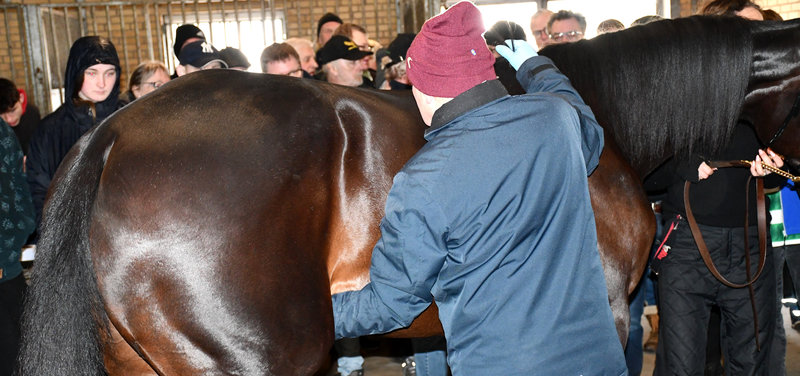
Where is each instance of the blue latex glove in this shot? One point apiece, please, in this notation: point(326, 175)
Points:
point(522, 51)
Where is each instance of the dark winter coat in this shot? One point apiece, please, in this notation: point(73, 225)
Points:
point(61, 129)
point(16, 209)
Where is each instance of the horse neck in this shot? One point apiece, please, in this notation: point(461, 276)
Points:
point(774, 86)
point(652, 86)
point(776, 52)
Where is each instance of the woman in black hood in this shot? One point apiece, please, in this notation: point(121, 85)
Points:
point(91, 84)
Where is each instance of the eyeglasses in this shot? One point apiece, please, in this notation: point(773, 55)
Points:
point(366, 47)
point(154, 84)
point(569, 35)
point(541, 33)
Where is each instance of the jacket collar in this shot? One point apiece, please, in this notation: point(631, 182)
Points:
point(478, 96)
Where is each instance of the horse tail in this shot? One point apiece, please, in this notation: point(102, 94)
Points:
point(64, 317)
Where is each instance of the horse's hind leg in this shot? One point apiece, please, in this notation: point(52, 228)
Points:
point(625, 229)
point(120, 358)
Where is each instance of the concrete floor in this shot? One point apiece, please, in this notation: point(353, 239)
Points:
point(380, 365)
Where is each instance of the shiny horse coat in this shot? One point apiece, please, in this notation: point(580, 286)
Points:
point(202, 231)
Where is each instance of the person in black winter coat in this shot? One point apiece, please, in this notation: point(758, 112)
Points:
point(687, 289)
point(91, 87)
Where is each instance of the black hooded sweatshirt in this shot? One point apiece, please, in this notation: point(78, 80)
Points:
point(61, 129)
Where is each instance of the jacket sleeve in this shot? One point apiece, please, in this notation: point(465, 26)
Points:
point(405, 263)
point(17, 221)
point(539, 74)
point(674, 171)
point(41, 167)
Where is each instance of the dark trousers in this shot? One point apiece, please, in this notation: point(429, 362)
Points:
point(11, 293)
point(687, 291)
point(792, 255)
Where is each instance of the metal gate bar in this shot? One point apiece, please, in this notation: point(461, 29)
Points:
point(136, 36)
point(10, 49)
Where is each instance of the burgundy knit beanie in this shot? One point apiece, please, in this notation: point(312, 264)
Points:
point(449, 55)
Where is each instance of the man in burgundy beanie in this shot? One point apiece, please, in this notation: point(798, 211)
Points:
point(492, 217)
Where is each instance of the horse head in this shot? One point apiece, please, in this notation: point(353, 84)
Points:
point(772, 102)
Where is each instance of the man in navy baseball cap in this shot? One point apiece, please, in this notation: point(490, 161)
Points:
point(197, 56)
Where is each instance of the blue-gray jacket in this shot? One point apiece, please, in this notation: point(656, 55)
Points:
point(492, 219)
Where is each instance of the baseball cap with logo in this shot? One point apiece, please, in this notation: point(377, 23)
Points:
point(199, 54)
point(340, 47)
point(184, 33)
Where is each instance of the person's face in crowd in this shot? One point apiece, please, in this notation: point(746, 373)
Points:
point(98, 82)
point(307, 61)
point(326, 31)
point(564, 31)
point(362, 41)
point(288, 67)
point(539, 30)
point(150, 84)
point(400, 73)
point(349, 72)
point(13, 115)
point(751, 13)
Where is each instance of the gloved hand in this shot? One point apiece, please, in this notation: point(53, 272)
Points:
point(522, 51)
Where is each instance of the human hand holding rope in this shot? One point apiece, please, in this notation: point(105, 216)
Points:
point(765, 162)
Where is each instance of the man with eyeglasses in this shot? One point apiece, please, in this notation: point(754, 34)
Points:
point(281, 59)
point(566, 26)
point(539, 27)
point(305, 50)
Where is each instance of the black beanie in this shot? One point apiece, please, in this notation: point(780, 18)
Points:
point(327, 17)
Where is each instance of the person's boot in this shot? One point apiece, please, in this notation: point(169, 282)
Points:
point(652, 340)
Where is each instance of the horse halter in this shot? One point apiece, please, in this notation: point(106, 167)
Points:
point(791, 115)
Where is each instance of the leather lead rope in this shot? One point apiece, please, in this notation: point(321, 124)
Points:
point(762, 235)
point(762, 238)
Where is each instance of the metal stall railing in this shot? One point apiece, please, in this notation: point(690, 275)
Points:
point(37, 38)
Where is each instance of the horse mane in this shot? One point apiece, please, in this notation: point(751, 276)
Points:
point(668, 87)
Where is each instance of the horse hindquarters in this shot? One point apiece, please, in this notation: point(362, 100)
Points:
point(63, 316)
point(210, 263)
point(625, 230)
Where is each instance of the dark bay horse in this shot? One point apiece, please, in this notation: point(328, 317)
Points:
point(202, 231)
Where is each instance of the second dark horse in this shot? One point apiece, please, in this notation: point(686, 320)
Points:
point(202, 231)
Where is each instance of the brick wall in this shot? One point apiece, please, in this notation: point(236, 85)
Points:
point(788, 9)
